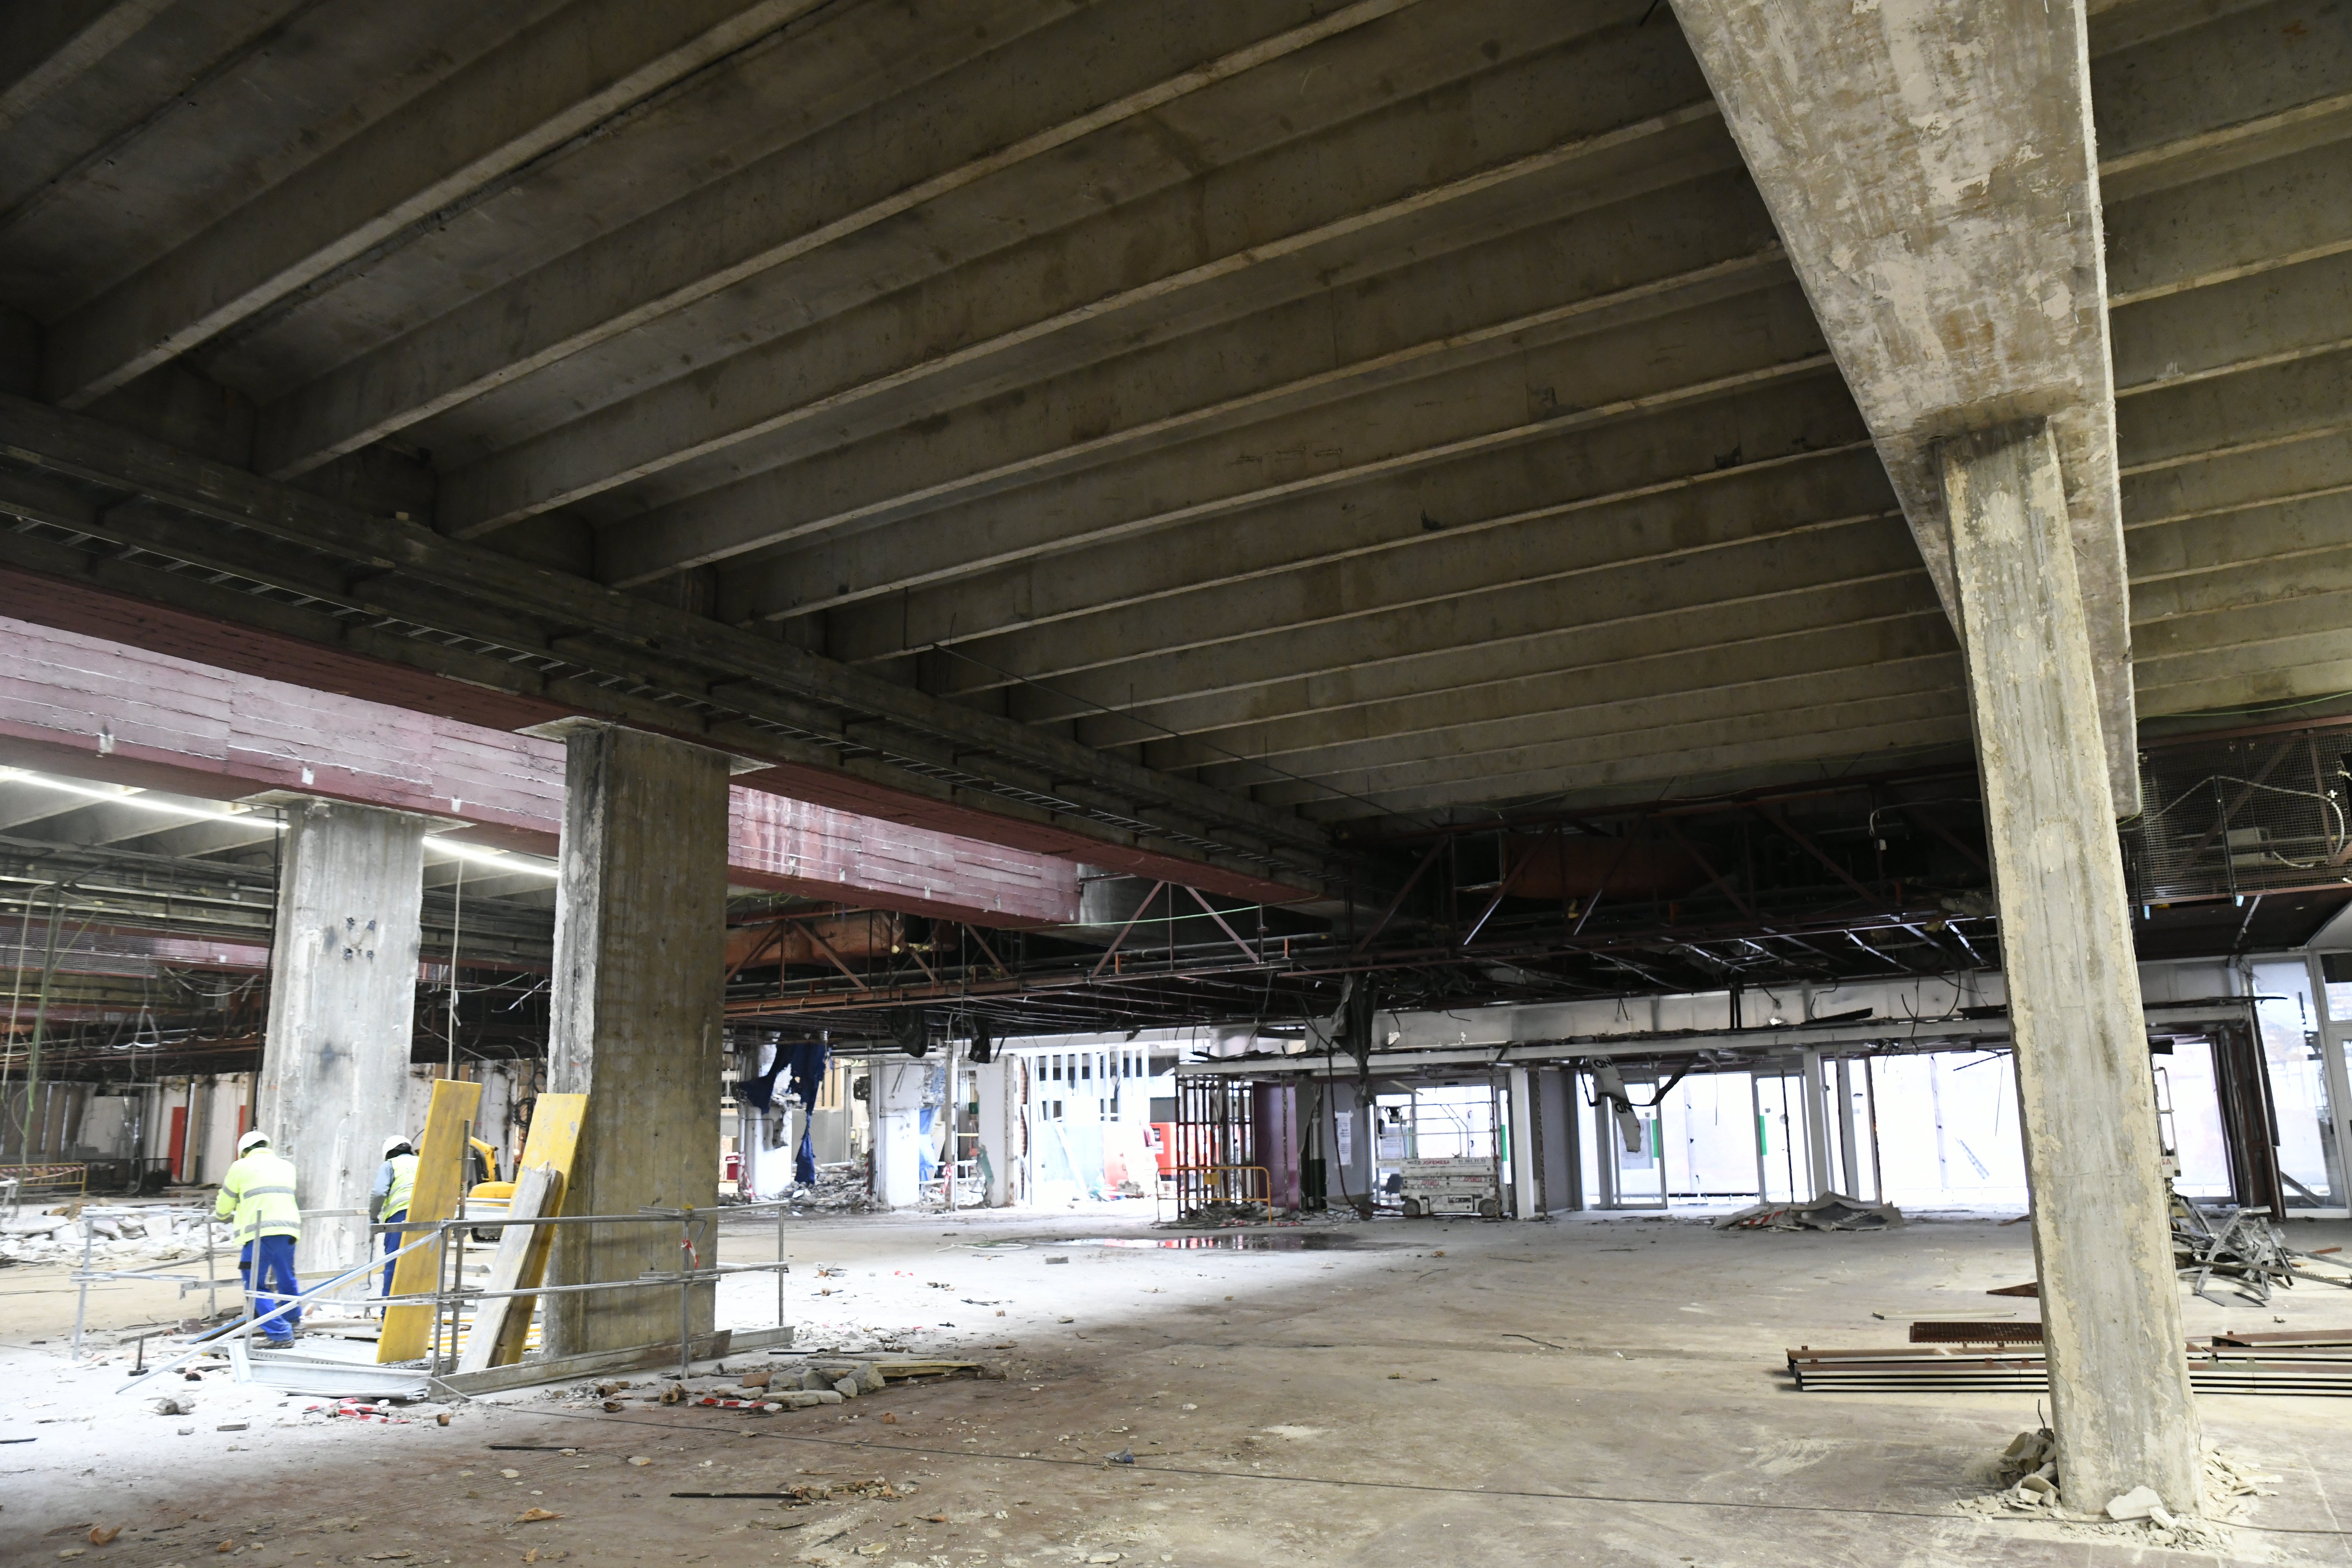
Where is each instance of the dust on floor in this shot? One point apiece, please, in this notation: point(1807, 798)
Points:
point(1588, 1390)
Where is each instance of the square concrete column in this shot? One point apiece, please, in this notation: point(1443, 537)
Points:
point(1001, 1126)
point(2110, 1303)
point(895, 1099)
point(640, 967)
point(1350, 1135)
point(1817, 1128)
point(342, 1009)
point(1526, 1146)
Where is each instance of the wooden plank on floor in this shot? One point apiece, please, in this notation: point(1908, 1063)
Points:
point(553, 1139)
point(440, 1189)
point(538, 1189)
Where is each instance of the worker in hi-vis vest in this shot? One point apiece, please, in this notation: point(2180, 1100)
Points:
point(257, 1195)
point(396, 1179)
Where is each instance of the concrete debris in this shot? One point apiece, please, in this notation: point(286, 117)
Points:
point(1830, 1210)
point(170, 1407)
point(2029, 1467)
point(838, 1189)
point(117, 1237)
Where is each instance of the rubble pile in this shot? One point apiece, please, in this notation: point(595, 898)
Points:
point(838, 1189)
point(1830, 1210)
point(2028, 1470)
point(119, 1237)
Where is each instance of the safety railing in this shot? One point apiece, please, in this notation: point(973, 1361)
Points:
point(451, 1297)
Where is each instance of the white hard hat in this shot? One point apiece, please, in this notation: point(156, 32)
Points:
point(252, 1140)
point(394, 1144)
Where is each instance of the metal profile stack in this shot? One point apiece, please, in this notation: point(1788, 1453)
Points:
point(2306, 1364)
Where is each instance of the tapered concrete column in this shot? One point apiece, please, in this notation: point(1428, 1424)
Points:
point(640, 966)
point(2110, 1304)
point(342, 1008)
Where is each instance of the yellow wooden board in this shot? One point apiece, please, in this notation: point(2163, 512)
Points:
point(440, 1188)
point(553, 1139)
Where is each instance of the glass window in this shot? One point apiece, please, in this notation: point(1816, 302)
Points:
point(2306, 1141)
point(2184, 1082)
point(2335, 969)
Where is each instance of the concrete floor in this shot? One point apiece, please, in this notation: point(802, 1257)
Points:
point(1383, 1393)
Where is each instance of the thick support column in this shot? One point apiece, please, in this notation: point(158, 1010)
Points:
point(640, 960)
point(1350, 1141)
point(1563, 1164)
point(1849, 1160)
point(897, 1102)
point(2110, 1303)
point(1817, 1128)
point(1526, 1147)
point(342, 1007)
point(1000, 1128)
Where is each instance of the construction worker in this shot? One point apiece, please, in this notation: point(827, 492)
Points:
point(257, 1194)
point(396, 1179)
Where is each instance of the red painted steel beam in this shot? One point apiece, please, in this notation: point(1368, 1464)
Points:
point(70, 605)
point(89, 705)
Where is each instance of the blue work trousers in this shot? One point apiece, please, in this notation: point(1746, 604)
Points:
point(392, 1242)
point(268, 1264)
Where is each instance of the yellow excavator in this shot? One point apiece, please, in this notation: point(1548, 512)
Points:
point(488, 1195)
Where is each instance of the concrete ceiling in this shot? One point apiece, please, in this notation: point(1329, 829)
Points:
point(1331, 411)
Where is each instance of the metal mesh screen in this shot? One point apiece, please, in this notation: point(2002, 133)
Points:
point(2248, 815)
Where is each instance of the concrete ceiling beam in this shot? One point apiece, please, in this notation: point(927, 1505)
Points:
point(1582, 273)
point(44, 47)
point(2274, 675)
point(2240, 224)
point(1604, 605)
point(556, 81)
point(1255, 216)
point(1125, 189)
point(2277, 404)
point(2244, 323)
point(1931, 168)
point(1861, 736)
point(1692, 357)
point(1260, 714)
point(1632, 685)
point(2225, 482)
point(720, 685)
point(1309, 560)
point(2274, 551)
point(2294, 646)
point(2245, 86)
point(896, 111)
point(1478, 741)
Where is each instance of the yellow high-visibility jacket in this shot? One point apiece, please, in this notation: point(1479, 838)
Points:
point(259, 1191)
point(402, 1186)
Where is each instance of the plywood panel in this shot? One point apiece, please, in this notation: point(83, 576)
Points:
point(440, 1188)
point(555, 1136)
